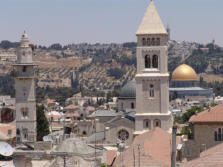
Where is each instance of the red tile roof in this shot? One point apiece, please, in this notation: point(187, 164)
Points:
point(215, 114)
point(110, 155)
point(70, 107)
point(212, 157)
point(155, 150)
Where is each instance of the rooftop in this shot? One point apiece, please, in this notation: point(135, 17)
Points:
point(212, 115)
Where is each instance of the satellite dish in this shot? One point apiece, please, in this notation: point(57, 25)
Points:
point(5, 149)
point(47, 138)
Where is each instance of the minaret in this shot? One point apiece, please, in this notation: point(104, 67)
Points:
point(25, 93)
point(152, 77)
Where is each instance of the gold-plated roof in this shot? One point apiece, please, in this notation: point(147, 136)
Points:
point(184, 73)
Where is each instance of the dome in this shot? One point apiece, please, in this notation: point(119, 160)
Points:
point(129, 90)
point(184, 73)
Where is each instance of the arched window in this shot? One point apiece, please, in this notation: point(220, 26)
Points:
point(24, 112)
point(148, 42)
point(153, 42)
point(84, 133)
point(147, 124)
point(157, 123)
point(151, 90)
point(158, 41)
point(132, 105)
point(147, 61)
point(143, 41)
point(155, 61)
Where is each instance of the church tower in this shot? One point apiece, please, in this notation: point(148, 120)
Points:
point(25, 93)
point(152, 77)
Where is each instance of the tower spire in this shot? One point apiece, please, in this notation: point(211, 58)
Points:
point(151, 22)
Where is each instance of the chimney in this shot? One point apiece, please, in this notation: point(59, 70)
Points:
point(173, 155)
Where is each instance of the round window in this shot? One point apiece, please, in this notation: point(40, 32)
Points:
point(123, 135)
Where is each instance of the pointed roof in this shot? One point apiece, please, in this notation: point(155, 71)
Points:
point(151, 22)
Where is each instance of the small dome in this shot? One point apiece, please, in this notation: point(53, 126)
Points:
point(184, 73)
point(129, 90)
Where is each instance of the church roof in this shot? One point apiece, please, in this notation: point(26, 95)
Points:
point(129, 90)
point(212, 115)
point(151, 23)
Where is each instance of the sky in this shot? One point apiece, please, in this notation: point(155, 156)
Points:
point(107, 21)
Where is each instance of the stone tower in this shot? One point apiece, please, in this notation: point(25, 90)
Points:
point(25, 93)
point(152, 77)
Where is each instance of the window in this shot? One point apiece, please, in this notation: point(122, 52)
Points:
point(146, 124)
point(143, 41)
point(132, 105)
point(158, 41)
point(17, 132)
point(84, 133)
point(123, 135)
point(155, 61)
point(157, 123)
point(153, 41)
point(218, 134)
point(9, 132)
point(148, 42)
point(25, 133)
point(147, 61)
point(24, 69)
point(24, 112)
point(151, 90)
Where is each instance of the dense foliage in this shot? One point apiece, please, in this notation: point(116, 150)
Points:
point(116, 72)
point(7, 85)
point(42, 123)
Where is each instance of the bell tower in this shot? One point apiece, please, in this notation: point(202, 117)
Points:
point(152, 77)
point(25, 93)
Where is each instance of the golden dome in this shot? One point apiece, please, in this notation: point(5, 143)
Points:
point(184, 73)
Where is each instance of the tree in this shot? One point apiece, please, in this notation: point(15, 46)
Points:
point(42, 123)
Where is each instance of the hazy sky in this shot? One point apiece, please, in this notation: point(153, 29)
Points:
point(75, 21)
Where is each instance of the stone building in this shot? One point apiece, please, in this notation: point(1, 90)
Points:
point(25, 93)
point(152, 77)
point(207, 128)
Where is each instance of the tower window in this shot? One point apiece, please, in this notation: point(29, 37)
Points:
point(157, 123)
point(24, 69)
point(25, 133)
point(132, 106)
point(153, 42)
point(158, 41)
point(151, 91)
point(148, 42)
point(155, 61)
point(24, 112)
point(146, 124)
point(147, 61)
point(143, 41)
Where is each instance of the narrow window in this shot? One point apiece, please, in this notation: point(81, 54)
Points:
point(132, 106)
point(146, 124)
point(148, 42)
point(143, 41)
point(151, 91)
point(25, 133)
point(157, 123)
point(219, 134)
point(155, 61)
point(24, 69)
point(158, 41)
point(153, 41)
point(147, 61)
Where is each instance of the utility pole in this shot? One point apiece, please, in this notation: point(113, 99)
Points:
point(139, 153)
point(173, 155)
